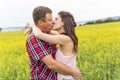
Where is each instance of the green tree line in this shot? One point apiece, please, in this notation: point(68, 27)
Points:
point(102, 21)
point(0, 29)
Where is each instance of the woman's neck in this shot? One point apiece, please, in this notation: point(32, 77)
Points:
point(61, 31)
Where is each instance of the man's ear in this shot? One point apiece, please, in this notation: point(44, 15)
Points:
point(40, 22)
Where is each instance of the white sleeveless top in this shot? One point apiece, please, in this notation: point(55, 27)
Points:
point(68, 60)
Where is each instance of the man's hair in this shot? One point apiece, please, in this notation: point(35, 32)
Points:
point(39, 13)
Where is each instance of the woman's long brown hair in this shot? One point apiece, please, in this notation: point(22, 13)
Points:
point(69, 27)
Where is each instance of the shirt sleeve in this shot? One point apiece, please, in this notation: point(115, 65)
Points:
point(38, 48)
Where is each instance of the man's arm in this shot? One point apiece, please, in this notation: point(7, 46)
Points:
point(37, 48)
point(60, 67)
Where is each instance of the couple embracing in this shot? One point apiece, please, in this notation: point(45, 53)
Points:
point(52, 46)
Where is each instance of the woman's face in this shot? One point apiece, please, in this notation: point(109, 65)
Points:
point(58, 23)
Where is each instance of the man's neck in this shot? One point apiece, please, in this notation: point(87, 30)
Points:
point(42, 29)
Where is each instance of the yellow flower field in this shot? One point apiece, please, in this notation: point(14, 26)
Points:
point(14, 61)
point(99, 51)
point(98, 56)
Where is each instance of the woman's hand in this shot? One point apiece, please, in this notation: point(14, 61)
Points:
point(78, 75)
point(28, 30)
point(32, 29)
point(36, 31)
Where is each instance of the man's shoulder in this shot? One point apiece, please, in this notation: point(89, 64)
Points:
point(32, 37)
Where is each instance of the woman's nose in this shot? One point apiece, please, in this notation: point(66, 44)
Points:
point(53, 22)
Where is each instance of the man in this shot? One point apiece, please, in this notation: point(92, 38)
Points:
point(42, 54)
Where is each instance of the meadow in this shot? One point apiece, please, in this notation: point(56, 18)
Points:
point(98, 55)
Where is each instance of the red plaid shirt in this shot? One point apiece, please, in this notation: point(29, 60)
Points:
point(37, 49)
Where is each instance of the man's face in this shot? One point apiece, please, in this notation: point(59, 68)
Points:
point(48, 24)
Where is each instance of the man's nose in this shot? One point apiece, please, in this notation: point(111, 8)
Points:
point(52, 22)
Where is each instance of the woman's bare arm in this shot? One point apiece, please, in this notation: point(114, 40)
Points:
point(55, 39)
point(54, 32)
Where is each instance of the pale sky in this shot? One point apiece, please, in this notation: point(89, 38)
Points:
point(19, 12)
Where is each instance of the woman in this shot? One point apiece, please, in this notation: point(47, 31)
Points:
point(66, 38)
